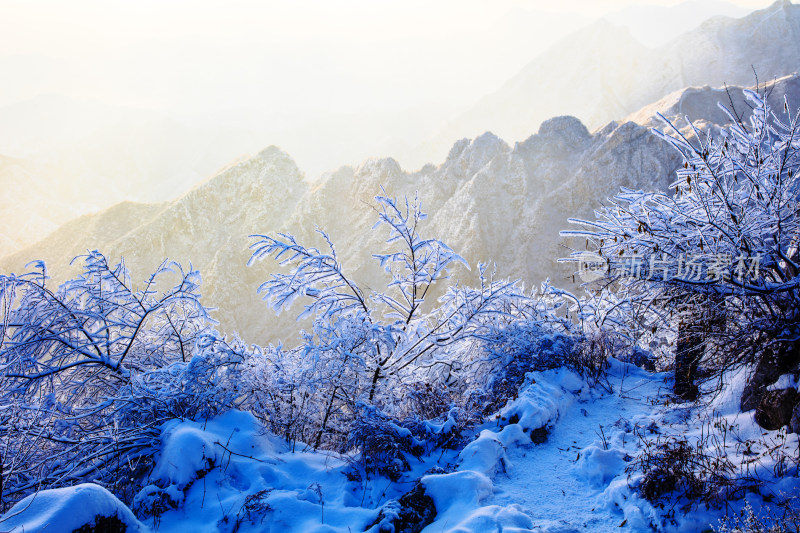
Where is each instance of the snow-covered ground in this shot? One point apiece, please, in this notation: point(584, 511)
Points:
point(227, 474)
point(562, 482)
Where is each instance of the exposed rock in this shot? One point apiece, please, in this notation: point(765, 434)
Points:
point(774, 361)
point(103, 524)
point(603, 73)
point(794, 423)
point(539, 435)
point(412, 513)
point(598, 74)
point(776, 408)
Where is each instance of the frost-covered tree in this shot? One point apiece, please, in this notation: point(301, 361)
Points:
point(89, 371)
point(715, 258)
point(364, 340)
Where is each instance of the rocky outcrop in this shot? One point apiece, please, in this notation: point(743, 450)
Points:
point(769, 391)
point(794, 423)
point(774, 361)
point(776, 408)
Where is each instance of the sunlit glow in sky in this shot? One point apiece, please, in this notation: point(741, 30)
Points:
point(110, 100)
point(354, 55)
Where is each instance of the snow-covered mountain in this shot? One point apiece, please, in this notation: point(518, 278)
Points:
point(489, 200)
point(654, 25)
point(106, 154)
point(602, 73)
point(208, 226)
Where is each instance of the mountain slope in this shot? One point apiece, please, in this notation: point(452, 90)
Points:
point(208, 227)
point(489, 200)
point(602, 72)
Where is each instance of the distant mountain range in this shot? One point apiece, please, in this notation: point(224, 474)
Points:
point(488, 200)
point(602, 73)
point(654, 25)
point(88, 156)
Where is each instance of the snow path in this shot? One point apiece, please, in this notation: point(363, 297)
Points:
point(543, 479)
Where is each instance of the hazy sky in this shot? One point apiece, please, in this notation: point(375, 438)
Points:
point(111, 100)
point(300, 56)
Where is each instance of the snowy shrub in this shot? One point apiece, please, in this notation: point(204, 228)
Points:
point(748, 521)
point(536, 334)
point(153, 501)
point(671, 463)
point(522, 347)
point(590, 354)
point(450, 430)
point(253, 510)
point(364, 342)
point(439, 415)
point(385, 446)
point(426, 400)
point(278, 390)
point(412, 512)
point(519, 348)
point(89, 371)
point(714, 262)
point(299, 394)
point(526, 346)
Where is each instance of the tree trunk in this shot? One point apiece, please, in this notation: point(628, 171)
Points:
point(688, 352)
point(325, 419)
point(703, 323)
point(375, 377)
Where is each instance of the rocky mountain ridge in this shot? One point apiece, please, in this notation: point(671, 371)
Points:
point(489, 200)
point(603, 72)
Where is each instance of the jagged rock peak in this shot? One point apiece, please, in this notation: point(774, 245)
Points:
point(271, 167)
point(385, 166)
point(482, 151)
point(567, 127)
point(470, 156)
point(273, 152)
point(783, 7)
point(488, 141)
point(780, 4)
point(275, 157)
point(458, 148)
point(555, 136)
point(271, 157)
point(273, 160)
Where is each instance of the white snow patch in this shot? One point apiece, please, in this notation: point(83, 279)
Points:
point(598, 466)
point(786, 381)
point(458, 489)
point(186, 451)
point(66, 509)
